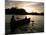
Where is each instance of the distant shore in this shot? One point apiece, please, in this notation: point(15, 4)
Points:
point(15, 11)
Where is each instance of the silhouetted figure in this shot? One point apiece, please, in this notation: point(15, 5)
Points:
point(12, 24)
point(25, 17)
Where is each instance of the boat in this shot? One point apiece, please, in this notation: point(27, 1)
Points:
point(20, 23)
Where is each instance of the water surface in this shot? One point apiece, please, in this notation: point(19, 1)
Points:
point(38, 21)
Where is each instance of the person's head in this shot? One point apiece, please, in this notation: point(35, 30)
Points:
point(29, 19)
point(13, 16)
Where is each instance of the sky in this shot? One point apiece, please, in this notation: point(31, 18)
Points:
point(27, 5)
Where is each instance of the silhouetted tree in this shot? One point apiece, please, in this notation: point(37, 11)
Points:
point(15, 11)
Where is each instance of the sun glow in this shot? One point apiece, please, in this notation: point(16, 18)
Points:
point(28, 10)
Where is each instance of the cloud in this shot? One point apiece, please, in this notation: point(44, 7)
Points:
point(36, 6)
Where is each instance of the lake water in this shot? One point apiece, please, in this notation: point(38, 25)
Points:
point(38, 21)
